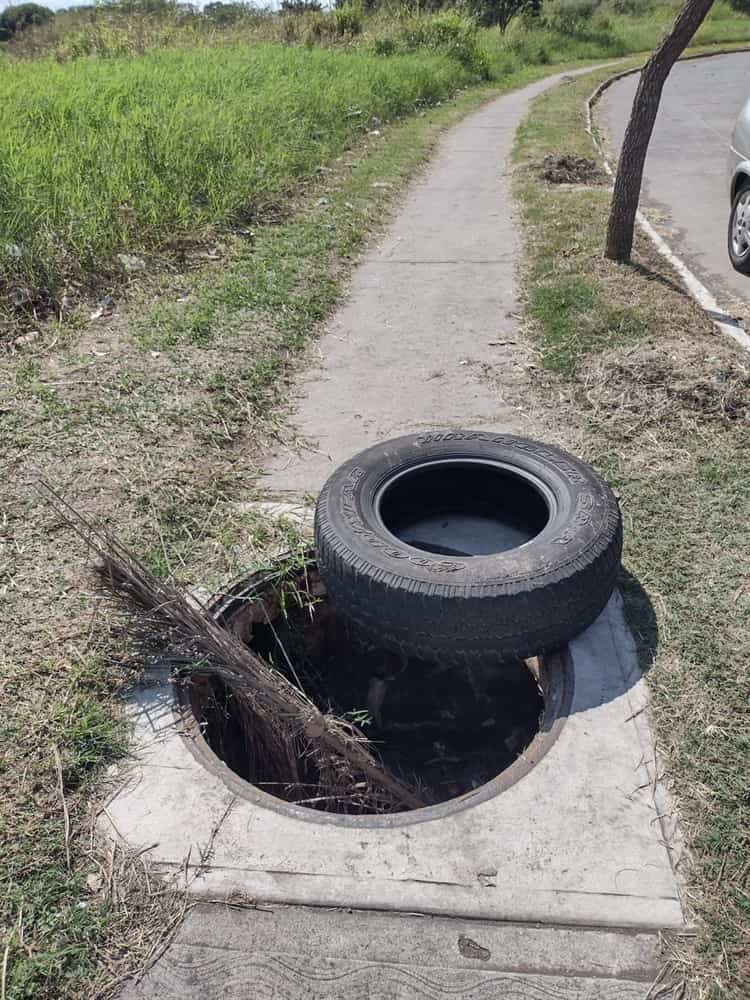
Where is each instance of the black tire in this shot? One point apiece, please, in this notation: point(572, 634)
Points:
point(526, 600)
point(739, 257)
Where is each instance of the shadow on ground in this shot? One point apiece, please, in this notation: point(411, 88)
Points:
point(641, 619)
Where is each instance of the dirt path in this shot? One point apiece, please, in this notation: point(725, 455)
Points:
point(430, 310)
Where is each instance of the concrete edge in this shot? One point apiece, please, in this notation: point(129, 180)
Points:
point(415, 939)
point(665, 802)
point(596, 910)
point(722, 320)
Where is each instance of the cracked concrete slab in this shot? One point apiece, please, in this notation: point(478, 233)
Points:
point(579, 840)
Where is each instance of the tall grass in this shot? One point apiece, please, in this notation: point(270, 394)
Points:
point(573, 30)
point(569, 29)
point(100, 156)
point(134, 129)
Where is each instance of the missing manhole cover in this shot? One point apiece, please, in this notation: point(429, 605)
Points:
point(454, 732)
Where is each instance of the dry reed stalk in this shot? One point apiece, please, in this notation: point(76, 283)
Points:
point(288, 730)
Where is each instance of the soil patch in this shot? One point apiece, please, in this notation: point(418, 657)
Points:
point(565, 168)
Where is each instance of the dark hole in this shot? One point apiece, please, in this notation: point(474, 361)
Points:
point(464, 508)
point(447, 730)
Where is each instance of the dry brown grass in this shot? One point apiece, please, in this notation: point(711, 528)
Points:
point(673, 386)
point(633, 376)
point(292, 738)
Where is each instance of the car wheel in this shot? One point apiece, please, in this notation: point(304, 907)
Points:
point(465, 545)
point(739, 230)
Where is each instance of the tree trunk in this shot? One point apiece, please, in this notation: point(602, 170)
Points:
point(638, 133)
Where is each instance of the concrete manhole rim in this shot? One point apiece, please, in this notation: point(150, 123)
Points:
point(556, 679)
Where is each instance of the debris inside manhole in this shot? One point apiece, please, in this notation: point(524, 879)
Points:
point(298, 704)
point(565, 168)
point(446, 731)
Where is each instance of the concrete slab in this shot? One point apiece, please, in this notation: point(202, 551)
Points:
point(367, 389)
point(577, 841)
point(296, 952)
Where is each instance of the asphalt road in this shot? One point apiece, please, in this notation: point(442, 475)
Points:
point(685, 188)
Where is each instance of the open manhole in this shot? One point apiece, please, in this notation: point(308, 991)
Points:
point(457, 734)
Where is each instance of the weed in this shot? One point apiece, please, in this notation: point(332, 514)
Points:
point(448, 31)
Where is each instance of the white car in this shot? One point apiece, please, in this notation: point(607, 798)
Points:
point(739, 192)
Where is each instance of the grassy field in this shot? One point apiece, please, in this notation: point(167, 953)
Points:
point(129, 136)
point(130, 154)
point(661, 405)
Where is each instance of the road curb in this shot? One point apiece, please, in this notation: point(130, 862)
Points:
point(723, 321)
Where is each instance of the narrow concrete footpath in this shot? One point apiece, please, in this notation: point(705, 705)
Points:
point(436, 298)
point(556, 889)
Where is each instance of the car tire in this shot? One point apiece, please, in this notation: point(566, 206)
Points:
point(439, 602)
point(738, 234)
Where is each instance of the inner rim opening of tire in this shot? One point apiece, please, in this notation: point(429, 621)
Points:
point(463, 507)
point(448, 732)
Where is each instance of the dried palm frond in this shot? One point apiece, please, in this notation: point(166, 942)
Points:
point(288, 731)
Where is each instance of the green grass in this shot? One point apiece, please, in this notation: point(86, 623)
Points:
point(577, 319)
point(128, 154)
point(609, 34)
point(639, 383)
point(43, 900)
point(603, 35)
point(574, 318)
point(131, 146)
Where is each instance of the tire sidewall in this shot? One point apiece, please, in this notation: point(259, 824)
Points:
point(739, 262)
point(580, 522)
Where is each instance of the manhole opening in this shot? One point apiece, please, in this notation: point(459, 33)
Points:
point(446, 730)
point(463, 508)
